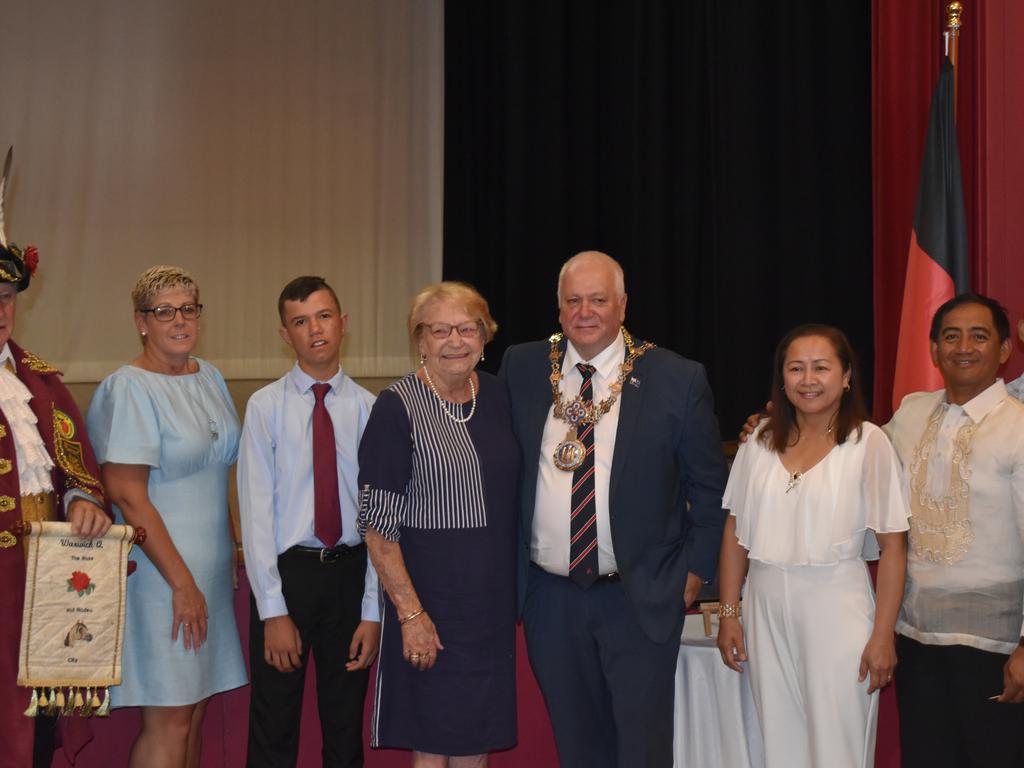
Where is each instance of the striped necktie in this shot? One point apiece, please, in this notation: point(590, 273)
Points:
point(583, 567)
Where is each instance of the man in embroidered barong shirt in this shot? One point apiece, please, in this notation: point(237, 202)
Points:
point(960, 679)
point(47, 470)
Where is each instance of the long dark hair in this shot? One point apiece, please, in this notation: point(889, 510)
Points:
point(782, 431)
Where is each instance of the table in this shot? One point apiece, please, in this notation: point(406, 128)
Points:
point(715, 720)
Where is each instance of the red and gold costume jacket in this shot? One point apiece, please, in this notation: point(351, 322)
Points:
point(63, 431)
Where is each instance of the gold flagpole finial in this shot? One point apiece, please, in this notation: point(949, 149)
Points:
point(952, 34)
point(953, 11)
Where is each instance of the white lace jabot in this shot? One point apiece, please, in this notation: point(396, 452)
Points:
point(34, 462)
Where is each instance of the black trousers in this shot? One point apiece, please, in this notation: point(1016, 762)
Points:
point(325, 602)
point(946, 717)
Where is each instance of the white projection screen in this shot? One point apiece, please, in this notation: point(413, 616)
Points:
point(249, 141)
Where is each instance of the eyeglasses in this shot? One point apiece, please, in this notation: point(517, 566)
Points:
point(443, 330)
point(165, 312)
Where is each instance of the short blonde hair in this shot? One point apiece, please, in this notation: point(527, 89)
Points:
point(462, 294)
point(161, 278)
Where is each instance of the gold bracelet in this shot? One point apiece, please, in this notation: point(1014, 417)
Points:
point(728, 610)
point(411, 616)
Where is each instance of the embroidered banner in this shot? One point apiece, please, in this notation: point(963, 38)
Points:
point(73, 622)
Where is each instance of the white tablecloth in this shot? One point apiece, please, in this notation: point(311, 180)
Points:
point(715, 720)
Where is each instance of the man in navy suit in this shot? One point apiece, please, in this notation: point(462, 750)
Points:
point(621, 518)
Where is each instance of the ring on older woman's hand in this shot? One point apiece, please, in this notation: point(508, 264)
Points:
point(186, 624)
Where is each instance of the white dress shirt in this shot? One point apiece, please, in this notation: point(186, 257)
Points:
point(965, 565)
point(275, 479)
point(549, 542)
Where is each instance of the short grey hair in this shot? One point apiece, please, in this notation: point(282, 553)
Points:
point(593, 257)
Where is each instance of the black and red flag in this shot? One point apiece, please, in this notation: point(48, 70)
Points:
point(937, 266)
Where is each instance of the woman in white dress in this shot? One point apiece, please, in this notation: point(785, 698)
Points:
point(803, 493)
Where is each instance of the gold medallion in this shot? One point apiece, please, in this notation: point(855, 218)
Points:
point(570, 453)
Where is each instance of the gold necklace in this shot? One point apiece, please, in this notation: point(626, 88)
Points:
point(570, 453)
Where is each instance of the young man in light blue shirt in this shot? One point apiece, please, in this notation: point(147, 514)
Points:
point(307, 594)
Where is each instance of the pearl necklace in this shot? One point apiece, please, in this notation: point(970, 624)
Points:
point(445, 405)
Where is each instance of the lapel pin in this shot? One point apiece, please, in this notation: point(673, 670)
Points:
point(634, 382)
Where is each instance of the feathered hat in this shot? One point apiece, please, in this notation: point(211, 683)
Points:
point(16, 265)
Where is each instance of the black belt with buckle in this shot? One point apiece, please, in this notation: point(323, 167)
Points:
point(327, 554)
point(606, 578)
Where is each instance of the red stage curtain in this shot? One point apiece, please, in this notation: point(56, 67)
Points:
point(905, 50)
point(998, 156)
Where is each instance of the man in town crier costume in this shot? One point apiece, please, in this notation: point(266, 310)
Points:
point(47, 472)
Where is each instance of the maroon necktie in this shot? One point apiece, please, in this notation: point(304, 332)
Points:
point(326, 504)
point(583, 523)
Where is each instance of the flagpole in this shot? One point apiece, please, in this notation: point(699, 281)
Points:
point(952, 35)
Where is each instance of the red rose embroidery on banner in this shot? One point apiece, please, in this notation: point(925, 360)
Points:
point(80, 583)
point(31, 259)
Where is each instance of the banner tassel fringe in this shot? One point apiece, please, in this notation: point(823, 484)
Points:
point(86, 706)
point(104, 709)
point(33, 706)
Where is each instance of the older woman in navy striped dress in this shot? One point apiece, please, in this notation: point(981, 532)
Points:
point(438, 469)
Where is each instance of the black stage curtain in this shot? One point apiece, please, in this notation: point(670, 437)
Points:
point(720, 150)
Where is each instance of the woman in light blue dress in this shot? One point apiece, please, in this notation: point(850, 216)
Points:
point(165, 433)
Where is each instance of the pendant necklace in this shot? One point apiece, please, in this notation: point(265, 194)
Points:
point(796, 477)
point(211, 423)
